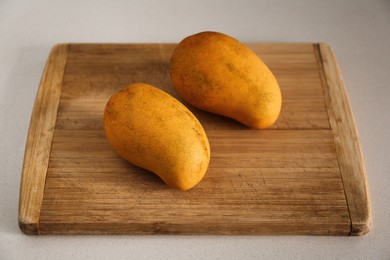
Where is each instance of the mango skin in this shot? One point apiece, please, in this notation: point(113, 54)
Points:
point(154, 131)
point(215, 72)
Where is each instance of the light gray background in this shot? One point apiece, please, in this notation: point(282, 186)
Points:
point(358, 31)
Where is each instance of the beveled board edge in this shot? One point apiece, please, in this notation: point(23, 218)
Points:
point(39, 140)
point(347, 143)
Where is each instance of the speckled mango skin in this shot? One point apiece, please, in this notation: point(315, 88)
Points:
point(154, 131)
point(217, 73)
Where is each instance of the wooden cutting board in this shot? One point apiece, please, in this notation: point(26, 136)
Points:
point(304, 175)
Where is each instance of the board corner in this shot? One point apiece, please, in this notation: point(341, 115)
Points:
point(363, 227)
point(27, 226)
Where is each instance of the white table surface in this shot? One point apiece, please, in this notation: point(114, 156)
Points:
point(358, 31)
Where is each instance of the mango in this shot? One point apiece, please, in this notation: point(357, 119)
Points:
point(217, 73)
point(153, 130)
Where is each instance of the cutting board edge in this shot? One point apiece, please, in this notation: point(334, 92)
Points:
point(350, 155)
point(39, 140)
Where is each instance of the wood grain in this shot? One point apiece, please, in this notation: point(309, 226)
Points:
point(295, 178)
point(347, 144)
point(39, 140)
